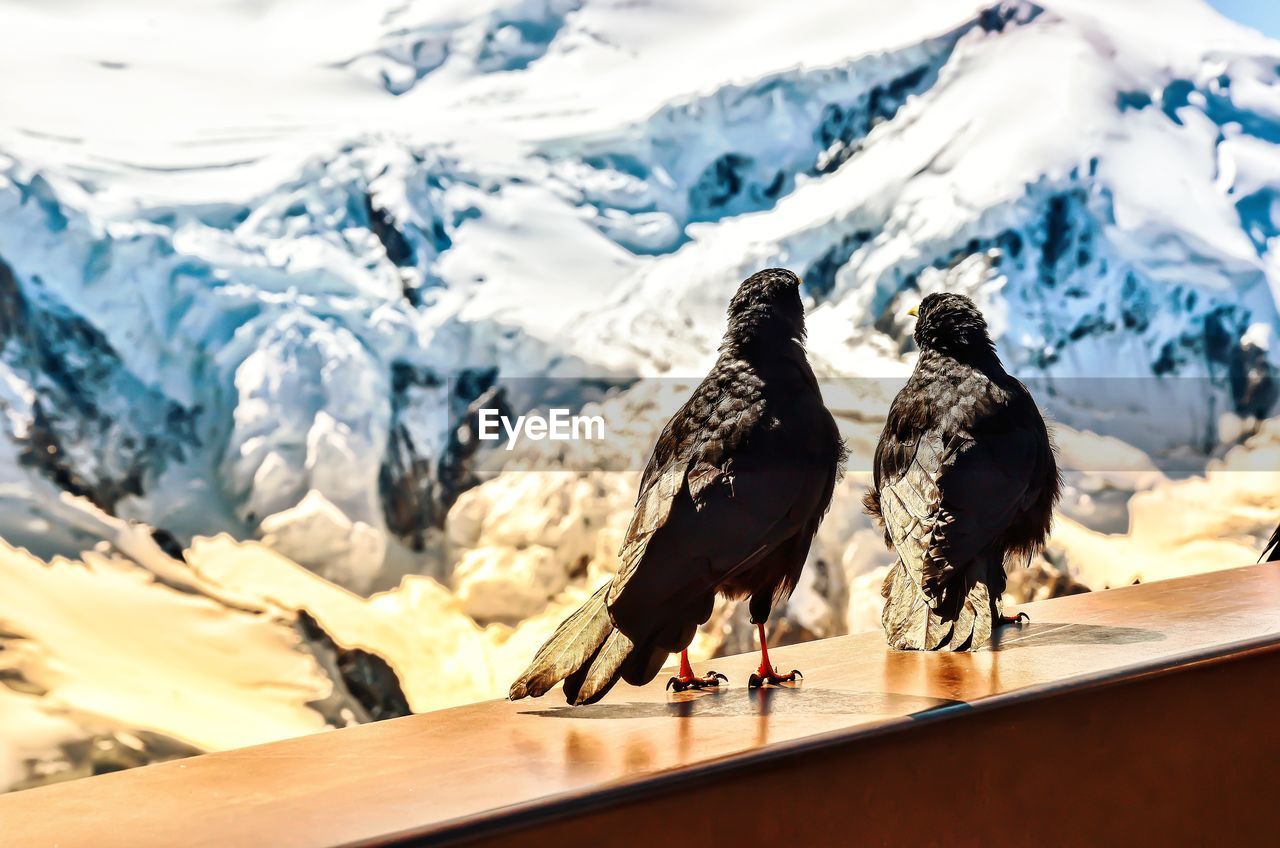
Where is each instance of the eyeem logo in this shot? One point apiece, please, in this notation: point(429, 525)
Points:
point(558, 426)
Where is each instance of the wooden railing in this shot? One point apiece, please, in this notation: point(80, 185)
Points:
point(1145, 715)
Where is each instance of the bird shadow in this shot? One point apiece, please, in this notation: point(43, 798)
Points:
point(1040, 633)
point(732, 702)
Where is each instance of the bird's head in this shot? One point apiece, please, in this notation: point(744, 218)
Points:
point(951, 324)
point(766, 308)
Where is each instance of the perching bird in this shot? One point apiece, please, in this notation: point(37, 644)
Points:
point(965, 482)
point(735, 488)
point(1272, 551)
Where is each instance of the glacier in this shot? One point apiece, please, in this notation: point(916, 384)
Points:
point(259, 263)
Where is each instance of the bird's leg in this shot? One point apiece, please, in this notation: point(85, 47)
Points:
point(1012, 619)
point(688, 680)
point(765, 673)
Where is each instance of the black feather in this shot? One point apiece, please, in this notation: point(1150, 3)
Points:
point(965, 482)
point(1271, 552)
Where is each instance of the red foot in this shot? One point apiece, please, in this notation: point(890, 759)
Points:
point(1012, 619)
point(765, 675)
point(712, 679)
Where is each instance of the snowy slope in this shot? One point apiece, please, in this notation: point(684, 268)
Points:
point(286, 242)
point(258, 259)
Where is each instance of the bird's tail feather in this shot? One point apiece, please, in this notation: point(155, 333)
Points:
point(594, 679)
point(586, 652)
point(912, 624)
point(1272, 550)
point(576, 641)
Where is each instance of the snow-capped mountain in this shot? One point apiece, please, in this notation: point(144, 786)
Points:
point(287, 264)
point(257, 261)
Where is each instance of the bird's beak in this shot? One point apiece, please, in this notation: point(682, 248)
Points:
point(913, 311)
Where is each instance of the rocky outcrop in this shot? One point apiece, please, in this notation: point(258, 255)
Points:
point(82, 420)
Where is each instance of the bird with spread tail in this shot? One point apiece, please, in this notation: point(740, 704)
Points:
point(729, 502)
point(965, 482)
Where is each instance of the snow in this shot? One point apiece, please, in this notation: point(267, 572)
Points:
point(319, 536)
point(103, 640)
point(260, 258)
point(1181, 527)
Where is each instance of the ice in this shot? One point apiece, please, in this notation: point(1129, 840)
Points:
point(318, 535)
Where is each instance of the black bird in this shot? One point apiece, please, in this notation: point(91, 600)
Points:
point(733, 493)
point(1272, 551)
point(965, 482)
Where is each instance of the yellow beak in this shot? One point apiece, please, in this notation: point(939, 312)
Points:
point(913, 311)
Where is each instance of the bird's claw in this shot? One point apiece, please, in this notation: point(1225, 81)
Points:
point(1015, 619)
point(756, 680)
point(711, 680)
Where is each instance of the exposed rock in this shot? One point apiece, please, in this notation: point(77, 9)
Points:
point(1255, 384)
point(1038, 581)
point(88, 425)
point(398, 249)
point(361, 677)
point(433, 438)
point(168, 543)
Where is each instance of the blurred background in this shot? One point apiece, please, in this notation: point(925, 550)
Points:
point(260, 263)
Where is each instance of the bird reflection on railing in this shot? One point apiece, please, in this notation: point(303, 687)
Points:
point(953, 678)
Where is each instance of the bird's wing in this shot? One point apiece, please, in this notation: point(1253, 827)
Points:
point(1272, 551)
point(692, 450)
point(956, 497)
point(702, 545)
point(664, 476)
point(653, 507)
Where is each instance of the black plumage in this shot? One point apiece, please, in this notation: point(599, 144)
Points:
point(1271, 552)
point(965, 482)
point(729, 502)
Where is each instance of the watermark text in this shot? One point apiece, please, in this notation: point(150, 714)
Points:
point(558, 425)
